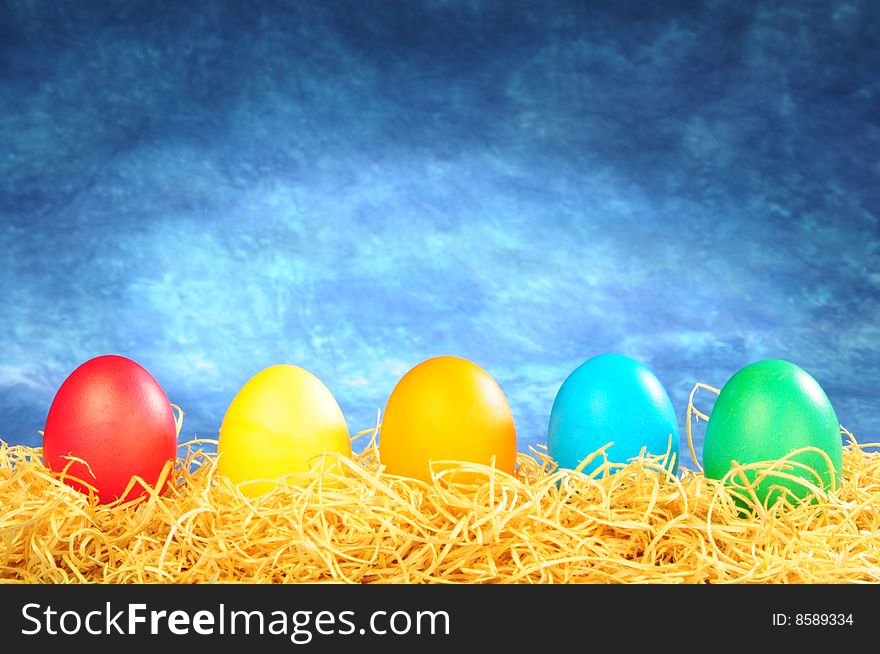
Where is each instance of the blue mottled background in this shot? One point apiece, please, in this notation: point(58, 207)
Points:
point(356, 186)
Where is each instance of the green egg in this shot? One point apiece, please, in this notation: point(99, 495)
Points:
point(766, 411)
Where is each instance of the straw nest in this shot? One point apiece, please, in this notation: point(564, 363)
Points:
point(364, 526)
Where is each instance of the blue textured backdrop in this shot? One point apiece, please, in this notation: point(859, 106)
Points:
point(354, 187)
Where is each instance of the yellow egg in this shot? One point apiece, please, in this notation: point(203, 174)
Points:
point(280, 424)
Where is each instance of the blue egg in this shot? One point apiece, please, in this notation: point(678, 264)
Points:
point(611, 398)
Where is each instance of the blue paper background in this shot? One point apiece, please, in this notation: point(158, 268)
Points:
point(356, 186)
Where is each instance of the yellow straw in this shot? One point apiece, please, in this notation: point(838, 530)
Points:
point(361, 525)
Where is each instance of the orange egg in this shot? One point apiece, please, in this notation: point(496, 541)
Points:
point(446, 409)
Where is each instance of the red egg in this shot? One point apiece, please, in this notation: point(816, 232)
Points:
point(111, 413)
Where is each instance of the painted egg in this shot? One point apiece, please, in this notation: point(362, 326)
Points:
point(112, 415)
point(446, 409)
point(611, 399)
point(766, 411)
point(280, 424)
